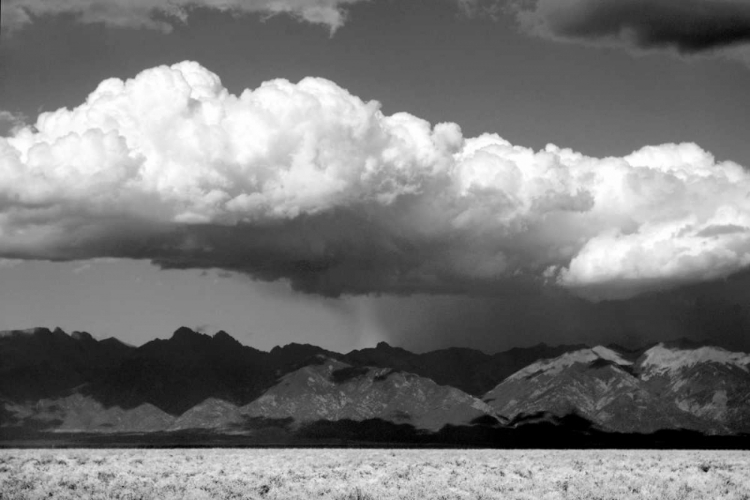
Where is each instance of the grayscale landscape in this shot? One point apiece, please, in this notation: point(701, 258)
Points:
point(374, 249)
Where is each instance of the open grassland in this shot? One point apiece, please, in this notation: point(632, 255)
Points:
point(360, 474)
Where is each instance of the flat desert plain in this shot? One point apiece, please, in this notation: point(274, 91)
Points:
point(371, 474)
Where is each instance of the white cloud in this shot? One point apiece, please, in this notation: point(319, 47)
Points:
point(164, 14)
point(306, 182)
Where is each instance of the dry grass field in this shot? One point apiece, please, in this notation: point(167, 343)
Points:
point(354, 474)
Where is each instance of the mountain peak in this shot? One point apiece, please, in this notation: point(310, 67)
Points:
point(114, 341)
point(662, 359)
point(610, 355)
point(583, 356)
point(184, 332)
point(82, 336)
point(385, 347)
point(224, 337)
point(37, 332)
point(296, 347)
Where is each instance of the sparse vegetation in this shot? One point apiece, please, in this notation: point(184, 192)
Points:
point(372, 474)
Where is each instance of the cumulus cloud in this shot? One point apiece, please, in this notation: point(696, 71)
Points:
point(307, 183)
point(685, 27)
point(164, 14)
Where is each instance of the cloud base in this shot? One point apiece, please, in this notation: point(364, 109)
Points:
point(683, 27)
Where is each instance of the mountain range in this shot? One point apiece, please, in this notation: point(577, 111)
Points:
point(54, 383)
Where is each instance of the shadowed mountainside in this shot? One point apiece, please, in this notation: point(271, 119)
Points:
point(192, 382)
point(39, 362)
point(177, 373)
point(472, 371)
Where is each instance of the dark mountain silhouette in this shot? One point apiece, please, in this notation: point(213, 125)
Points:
point(39, 362)
point(193, 384)
point(178, 373)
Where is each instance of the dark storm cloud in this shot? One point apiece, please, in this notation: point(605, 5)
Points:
point(339, 252)
point(309, 184)
point(684, 26)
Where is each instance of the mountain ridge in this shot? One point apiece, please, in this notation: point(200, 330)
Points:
point(192, 380)
point(704, 389)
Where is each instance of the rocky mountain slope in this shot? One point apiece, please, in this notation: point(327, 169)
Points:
point(75, 383)
point(334, 390)
point(666, 387)
point(710, 383)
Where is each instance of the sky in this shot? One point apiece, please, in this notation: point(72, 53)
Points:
point(430, 173)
